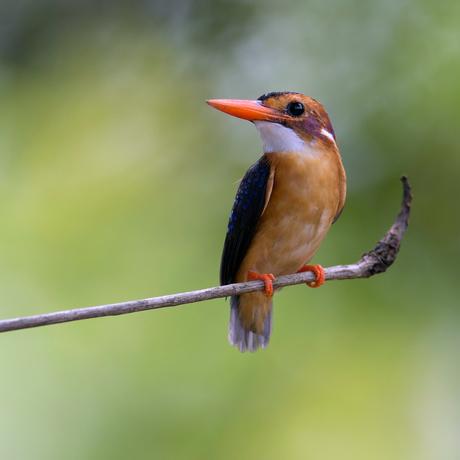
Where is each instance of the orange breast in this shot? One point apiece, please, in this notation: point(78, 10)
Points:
point(308, 191)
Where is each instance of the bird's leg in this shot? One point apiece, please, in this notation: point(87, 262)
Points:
point(266, 278)
point(319, 272)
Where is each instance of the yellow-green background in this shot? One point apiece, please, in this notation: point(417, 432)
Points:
point(116, 182)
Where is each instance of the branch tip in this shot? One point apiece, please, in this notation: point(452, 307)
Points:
point(384, 253)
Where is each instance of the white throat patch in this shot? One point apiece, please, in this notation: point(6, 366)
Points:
point(278, 138)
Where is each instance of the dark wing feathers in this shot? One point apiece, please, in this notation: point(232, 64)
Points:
point(247, 209)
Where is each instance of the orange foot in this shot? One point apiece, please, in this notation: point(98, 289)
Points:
point(319, 272)
point(267, 279)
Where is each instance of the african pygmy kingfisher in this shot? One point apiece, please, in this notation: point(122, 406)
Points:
point(284, 206)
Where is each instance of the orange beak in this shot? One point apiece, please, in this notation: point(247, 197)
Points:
point(247, 110)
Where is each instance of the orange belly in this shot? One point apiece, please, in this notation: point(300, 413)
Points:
point(308, 192)
point(304, 201)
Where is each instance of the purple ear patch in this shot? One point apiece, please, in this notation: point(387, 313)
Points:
point(313, 125)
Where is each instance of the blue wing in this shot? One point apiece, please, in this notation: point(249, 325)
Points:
point(247, 209)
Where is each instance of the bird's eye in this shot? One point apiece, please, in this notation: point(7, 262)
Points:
point(295, 109)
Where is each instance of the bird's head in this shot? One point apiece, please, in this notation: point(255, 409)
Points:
point(286, 121)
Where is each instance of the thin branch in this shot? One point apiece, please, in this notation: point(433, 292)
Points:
point(376, 261)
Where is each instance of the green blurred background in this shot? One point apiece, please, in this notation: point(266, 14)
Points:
point(116, 183)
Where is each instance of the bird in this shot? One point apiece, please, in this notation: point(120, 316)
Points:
point(285, 205)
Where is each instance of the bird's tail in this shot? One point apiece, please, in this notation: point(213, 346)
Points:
point(247, 340)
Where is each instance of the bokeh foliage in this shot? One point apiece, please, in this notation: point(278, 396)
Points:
point(116, 184)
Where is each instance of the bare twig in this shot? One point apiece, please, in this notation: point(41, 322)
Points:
point(376, 261)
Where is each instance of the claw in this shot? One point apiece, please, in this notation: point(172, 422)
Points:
point(266, 278)
point(319, 272)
